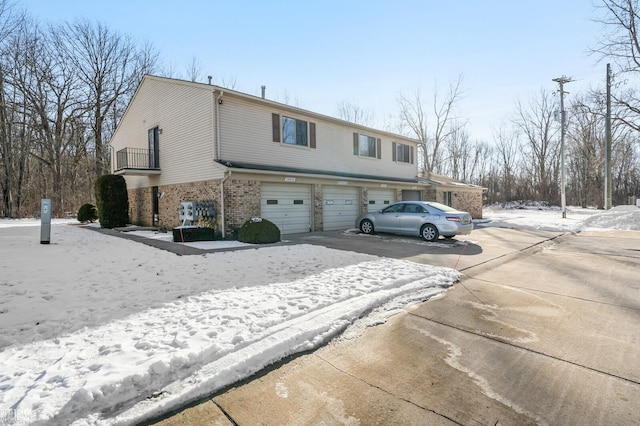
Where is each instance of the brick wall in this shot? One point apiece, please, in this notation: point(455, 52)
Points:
point(318, 207)
point(140, 203)
point(242, 202)
point(468, 201)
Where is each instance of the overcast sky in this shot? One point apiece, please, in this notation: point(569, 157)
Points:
point(316, 54)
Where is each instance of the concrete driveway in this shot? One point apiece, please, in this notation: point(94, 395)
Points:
point(543, 328)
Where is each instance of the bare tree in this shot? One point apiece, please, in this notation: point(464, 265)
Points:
point(353, 113)
point(194, 70)
point(535, 122)
point(12, 159)
point(508, 150)
point(110, 67)
point(50, 88)
point(620, 42)
point(415, 120)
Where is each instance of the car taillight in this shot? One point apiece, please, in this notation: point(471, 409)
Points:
point(453, 218)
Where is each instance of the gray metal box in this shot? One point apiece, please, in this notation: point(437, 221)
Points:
point(45, 221)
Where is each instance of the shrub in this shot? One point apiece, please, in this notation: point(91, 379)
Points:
point(259, 231)
point(87, 213)
point(112, 201)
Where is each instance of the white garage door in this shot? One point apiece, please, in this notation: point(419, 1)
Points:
point(380, 198)
point(287, 205)
point(340, 207)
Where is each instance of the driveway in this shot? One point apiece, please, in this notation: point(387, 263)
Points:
point(542, 329)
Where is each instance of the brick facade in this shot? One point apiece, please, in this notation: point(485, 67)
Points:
point(242, 202)
point(141, 205)
point(318, 208)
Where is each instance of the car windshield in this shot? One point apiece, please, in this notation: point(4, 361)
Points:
point(442, 207)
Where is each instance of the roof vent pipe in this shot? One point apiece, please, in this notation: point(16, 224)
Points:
point(210, 78)
point(264, 89)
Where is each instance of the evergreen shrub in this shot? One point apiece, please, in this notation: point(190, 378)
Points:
point(112, 201)
point(259, 231)
point(87, 213)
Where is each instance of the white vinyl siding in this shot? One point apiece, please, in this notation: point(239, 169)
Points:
point(380, 198)
point(184, 114)
point(247, 136)
point(288, 206)
point(339, 207)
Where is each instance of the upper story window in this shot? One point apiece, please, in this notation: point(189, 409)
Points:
point(366, 146)
point(294, 131)
point(402, 153)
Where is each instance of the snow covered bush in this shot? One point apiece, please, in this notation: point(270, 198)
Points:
point(87, 213)
point(259, 231)
point(112, 201)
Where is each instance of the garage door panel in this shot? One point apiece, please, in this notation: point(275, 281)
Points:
point(340, 207)
point(380, 198)
point(288, 206)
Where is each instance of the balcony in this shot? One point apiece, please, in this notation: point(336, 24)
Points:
point(137, 161)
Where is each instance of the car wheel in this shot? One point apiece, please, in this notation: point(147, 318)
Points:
point(429, 232)
point(366, 226)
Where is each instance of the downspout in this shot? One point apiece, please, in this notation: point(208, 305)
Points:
point(217, 102)
point(222, 201)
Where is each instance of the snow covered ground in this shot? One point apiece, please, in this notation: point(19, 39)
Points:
point(100, 330)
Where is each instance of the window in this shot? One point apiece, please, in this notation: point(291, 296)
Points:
point(402, 153)
point(366, 146)
point(446, 198)
point(413, 208)
point(294, 132)
point(395, 208)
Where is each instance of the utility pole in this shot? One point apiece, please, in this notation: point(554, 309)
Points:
point(608, 187)
point(563, 182)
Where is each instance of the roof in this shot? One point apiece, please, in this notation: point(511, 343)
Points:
point(445, 181)
point(283, 169)
point(280, 106)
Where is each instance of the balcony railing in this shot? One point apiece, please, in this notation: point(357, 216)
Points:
point(138, 161)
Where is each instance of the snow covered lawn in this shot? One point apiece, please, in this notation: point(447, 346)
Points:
point(100, 330)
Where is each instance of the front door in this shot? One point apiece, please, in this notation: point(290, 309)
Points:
point(154, 206)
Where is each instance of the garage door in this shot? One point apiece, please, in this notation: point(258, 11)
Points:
point(411, 195)
point(380, 198)
point(340, 207)
point(287, 205)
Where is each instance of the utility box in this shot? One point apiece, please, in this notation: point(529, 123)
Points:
point(45, 221)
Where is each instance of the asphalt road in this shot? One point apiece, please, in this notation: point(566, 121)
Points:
point(542, 329)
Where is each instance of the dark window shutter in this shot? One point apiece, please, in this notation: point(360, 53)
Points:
point(275, 121)
point(356, 151)
point(379, 148)
point(312, 135)
point(411, 155)
point(393, 151)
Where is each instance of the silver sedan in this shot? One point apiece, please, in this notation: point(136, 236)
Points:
point(425, 219)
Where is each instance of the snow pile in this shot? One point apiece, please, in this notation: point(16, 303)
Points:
point(545, 218)
point(625, 218)
point(101, 330)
